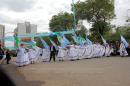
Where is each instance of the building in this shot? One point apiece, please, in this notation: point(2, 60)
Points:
point(25, 28)
point(2, 33)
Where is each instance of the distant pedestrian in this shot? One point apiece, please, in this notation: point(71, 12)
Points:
point(8, 56)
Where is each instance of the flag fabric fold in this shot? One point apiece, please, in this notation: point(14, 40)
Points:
point(124, 41)
point(46, 46)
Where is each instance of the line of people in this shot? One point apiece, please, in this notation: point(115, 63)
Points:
point(71, 52)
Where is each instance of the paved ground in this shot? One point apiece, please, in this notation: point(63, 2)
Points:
point(112, 71)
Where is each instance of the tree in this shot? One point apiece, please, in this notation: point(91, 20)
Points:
point(61, 22)
point(97, 12)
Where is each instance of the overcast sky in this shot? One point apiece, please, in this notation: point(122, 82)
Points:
point(40, 12)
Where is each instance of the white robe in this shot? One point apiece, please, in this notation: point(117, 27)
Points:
point(88, 51)
point(32, 55)
point(122, 50)
point(46, 55)
point(21, 57)
point(107, 50)
point(72, 52)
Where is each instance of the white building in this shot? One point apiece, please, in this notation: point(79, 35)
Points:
point(26, 28)
point(2, 33)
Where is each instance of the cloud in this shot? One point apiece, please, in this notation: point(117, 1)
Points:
point(40, 12)
point(17, 5)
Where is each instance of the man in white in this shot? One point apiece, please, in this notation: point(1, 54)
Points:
point(122, 50)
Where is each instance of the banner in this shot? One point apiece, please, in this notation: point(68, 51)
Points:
point(124, 41)
point(46, 46)
point(104, 41)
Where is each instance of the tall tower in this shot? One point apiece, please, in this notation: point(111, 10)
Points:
point(2, 34)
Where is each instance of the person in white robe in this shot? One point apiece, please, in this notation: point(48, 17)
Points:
point(45, 55)
point(72, 52)
point(122, 50)
point(61, 54)
point(96, 50)
point(21, 59)
point(31, 55)
point(88, 53)
point(107, 50)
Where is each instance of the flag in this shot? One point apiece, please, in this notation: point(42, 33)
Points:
point(88, 42)
point(124, 41)
point(52, 42)
point(17, 41)
point(46, 46)
point(60, 39)
point(104, 41)
point(66, 41)
point(76, 39)
point(80, 41)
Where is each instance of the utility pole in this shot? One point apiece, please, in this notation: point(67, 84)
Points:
point(74, 21)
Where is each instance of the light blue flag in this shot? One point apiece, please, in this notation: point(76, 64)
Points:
point(88, 42)
point(81, 41)
point(52, 42)
point(124, 41)
point(76, 39)
point(104, 41)
point(46, 46)
point(65, 40)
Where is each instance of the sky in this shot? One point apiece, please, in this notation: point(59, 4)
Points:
point(39, 12)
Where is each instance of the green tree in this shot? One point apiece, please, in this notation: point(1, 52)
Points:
point(97, 12)
point(61, 22)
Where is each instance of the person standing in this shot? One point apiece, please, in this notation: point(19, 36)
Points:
point(1, 52)
point(123, 51)
point(20, 60)
point(52, 52)
point(8, 57)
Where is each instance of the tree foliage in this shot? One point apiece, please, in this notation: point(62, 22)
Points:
point(61, 22)
point(97, 12)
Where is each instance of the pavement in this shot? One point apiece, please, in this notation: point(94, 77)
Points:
point(106, 71)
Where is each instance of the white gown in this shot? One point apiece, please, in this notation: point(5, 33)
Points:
point(122, 50)
point(31, 55)
point(61, 53)
point(107, 50)
point(21, 57)
point(72, 52)
point(46, 55)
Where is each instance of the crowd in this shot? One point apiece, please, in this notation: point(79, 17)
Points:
point(71, 52)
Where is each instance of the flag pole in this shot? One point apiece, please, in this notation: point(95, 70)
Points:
point(74, 17)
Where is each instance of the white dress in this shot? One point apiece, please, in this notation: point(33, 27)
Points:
point(46, 55)
point(20, 59)
point(31, 55)
point(61, 53)
point(26, 59)
point(122, 50)
point(72, 52)
point(107, 51)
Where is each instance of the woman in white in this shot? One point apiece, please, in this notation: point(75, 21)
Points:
point(122, 50)
point(72, 52)
point(45, 55)
point(107, 50)
point(31, 55)
point(21, 59)
point(61, 54)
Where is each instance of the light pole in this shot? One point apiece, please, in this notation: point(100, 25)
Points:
point(74, 18)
